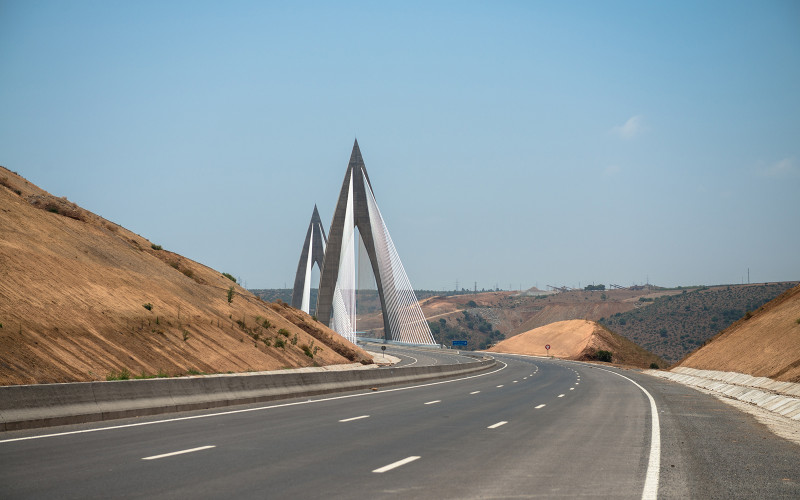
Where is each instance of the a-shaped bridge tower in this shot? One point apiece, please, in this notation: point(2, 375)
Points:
point(313, 253)
point(403, 320)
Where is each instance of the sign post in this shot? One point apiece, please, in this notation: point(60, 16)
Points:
point(383, 348)
point(548, 349)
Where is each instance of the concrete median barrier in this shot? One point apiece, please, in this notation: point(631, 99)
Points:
point(44, 405)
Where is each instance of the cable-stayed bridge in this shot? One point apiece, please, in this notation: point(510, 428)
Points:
point(358, 228)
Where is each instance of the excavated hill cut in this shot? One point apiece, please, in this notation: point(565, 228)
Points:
point(764, 344)
point(82, 298)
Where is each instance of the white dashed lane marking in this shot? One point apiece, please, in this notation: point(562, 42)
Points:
point(498, 424)
point(353, 418)
point(433, 402)
point(395, 465)
point(540, 406)
point(191, 450)
point(475, 392)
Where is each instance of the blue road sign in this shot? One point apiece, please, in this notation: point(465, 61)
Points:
point(459, 342)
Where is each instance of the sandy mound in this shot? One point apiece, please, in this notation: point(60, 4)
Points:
point(767, 344)
point(81, 297)
point(577, 339)
point(567, 339)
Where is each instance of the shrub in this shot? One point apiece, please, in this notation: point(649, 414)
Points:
point(472, 303)
point(284, 332)
point(307, 350)
point(148, 306)
point(123, 374)
point(280, 343)
point(266, 324)
point(185, 334)
point(230, 294)
point(174, 264)
point(188, 273)
point(193, 371)
point(155, 247)
point(604, 356)
point(229, 276)
point(654, 366)
point(294, 339)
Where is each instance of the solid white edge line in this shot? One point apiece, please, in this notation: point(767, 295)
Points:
point(246, 410)
point(650, 490)
point(192, 450)
point(498, 424)
point(412, 357)
point(395, 464)
point(353, 418)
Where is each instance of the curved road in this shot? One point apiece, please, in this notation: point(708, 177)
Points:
point(421, 356)
point(529, 428)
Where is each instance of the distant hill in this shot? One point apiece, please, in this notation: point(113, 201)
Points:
point(484, 319)
point(672, 326)
point(578, 340)
point(765, 343)
point(82, 298)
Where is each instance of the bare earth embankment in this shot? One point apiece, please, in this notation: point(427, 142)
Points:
point(81, 297)
point(765, 344)
point(577, 340)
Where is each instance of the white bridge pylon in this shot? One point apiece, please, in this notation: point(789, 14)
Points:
point(357, 209)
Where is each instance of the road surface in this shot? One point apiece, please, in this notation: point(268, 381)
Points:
point(531, 428)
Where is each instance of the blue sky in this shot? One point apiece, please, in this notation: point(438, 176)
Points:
point(508, 143)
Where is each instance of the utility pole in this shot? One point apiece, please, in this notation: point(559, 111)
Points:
point(476, 287)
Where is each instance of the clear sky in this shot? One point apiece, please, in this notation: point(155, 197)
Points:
point(508, 143)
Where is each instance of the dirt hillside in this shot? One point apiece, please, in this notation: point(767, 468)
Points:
point(577, 339)
point(765, 344)
point(82, 298)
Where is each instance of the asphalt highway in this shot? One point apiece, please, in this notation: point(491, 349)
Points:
point(423, 356)
point(529, 428)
